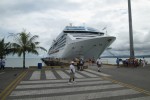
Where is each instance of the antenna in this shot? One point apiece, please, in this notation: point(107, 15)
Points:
point(84, 24)
point(70, 24)
point(105, 28)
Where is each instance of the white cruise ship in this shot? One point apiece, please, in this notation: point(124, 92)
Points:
point(79, 41)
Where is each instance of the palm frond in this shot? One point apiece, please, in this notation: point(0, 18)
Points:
point(43, 49)
point(5, 48)
point(25, 43)
point(35, 52)
point(33, 38)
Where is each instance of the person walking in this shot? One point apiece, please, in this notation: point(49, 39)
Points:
point(143, 62)
point(99, 64)
point(140, 62)
point(72, 73)
point(117, 61)
point(2, 64)
point(81, 64)
point(78, 64)
point(93, 60)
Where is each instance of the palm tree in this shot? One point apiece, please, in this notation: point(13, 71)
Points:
point(25, 43)
point(5, 48)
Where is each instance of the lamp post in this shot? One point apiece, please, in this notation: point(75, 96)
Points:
point(130, 30)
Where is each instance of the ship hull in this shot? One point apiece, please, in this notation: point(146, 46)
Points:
point(85, 48)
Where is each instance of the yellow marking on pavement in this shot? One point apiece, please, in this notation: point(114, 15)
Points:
point(11, 86)
point(128, 86)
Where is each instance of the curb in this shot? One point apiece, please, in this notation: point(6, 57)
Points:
point(12, 86)
point(128, 86)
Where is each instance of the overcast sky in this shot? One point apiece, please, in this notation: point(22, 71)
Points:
point(47, 18)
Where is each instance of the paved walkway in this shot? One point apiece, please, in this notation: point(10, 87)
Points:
point(139, 77)
point(91, 85)
point(7, 76)
point(53, 85)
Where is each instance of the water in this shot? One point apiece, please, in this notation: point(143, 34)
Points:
point(18, 62)
point(113, 60)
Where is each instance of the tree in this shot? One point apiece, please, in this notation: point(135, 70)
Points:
point(25, 43)
point(5, 48)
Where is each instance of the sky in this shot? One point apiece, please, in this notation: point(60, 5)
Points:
point(47, 18)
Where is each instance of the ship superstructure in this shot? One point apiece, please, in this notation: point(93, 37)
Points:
point(79, 41)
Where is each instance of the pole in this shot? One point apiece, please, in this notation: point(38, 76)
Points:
point(105, 28)
point(130, 30)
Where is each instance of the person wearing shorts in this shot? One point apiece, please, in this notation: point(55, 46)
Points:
point(99, 63)
point(72, 73)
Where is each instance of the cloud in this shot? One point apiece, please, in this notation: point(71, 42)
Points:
point(29, 6)
point(47, 18)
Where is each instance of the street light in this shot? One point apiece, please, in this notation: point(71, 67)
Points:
point(130, 30)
